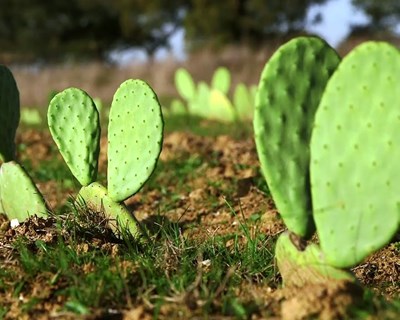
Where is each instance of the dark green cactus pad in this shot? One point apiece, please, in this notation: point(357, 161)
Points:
point(299, 268)
point(95, 197)
point(9, 114)
point(290, 89)
point(135, 133)
point(75, 126)
point(355, 173)
point(20, 197)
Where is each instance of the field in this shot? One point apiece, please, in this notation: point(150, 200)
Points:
point(209, 224)
point(210, 254)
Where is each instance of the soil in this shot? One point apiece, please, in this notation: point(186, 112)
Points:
point(228, 174)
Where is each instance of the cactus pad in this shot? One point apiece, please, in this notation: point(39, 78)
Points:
point(19, 196)
point(355, 173)
point(135, 133)
point(220, 108)
point(184, 84)
point(9, 114)
point(221, 80)
point(243, 102)
point(290, 89)
point(74, 124)
point(305, 267)
point(95, 197)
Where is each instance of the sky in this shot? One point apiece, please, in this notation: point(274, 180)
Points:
point(336, 14)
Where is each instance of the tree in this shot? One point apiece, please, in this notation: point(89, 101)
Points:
point(84, 29)
point(238, 21)
point(384, 15)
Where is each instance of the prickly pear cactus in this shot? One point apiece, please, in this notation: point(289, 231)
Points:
point(74, 124)
point(289, 92)
point(9, 114)
point(135, 134)
point(355, 174)
point(20, 197)
point(221, 80)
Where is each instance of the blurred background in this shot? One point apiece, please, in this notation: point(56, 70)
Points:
point(97, 44)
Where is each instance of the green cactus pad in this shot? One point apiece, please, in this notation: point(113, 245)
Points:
point(20, 197)
point(177, 107)
point(184, 84)
point(243, 102)
point(220, 108)
point(199, 106)
point(299, 268)
point(221, 80)
point(355, 173)
point(95, 197)
point(290, 89)
point(74, 124)
point(135, 133)
point(9, 114)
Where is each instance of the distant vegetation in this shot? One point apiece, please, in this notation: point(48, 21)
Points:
point(87, 29)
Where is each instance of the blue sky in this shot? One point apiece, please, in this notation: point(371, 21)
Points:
point(336, 14)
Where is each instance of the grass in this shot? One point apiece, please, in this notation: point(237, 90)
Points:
point(170, 268)
point(80, 267)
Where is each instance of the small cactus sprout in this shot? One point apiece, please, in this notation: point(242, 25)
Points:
point(221, 109)
point(19, 196)
point(221, 80)
point(184, 84)
point(177, 107)
point(289, 92)
point(135, 135)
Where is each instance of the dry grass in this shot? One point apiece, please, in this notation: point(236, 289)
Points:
point(101, 80)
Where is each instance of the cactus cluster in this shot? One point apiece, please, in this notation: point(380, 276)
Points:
point(325, 132)
point(213, 102)
point(135, 133)
point(19, 196)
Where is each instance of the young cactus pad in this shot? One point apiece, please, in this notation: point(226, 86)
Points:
point(355, 174)
point(243, 102)
point(221, 80)
point(74, 124)
point(9, 114)
point(220, 108)
point(184, 84)
point(289, 92)
point(19, 196)
point(135, 134)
